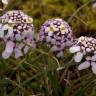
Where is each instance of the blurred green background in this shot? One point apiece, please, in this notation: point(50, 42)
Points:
point(35, 74)
point(83, 23)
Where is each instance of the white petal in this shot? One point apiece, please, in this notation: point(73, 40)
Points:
point(5, 1)
point(50, 33)
point(88, 49)
point(8, 50)
point(10, 32)
point(78, 57)
point(6, 55)
point(1, 32)
point(94, 58)
point(83, 65)
point(5, 27)
point(47, 29)
point(10, 21)
point(94, 5)
point(74, 49)
point(93, 67)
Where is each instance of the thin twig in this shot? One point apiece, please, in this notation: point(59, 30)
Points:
point(81, 20)
point(79, 10)
point(45, 53)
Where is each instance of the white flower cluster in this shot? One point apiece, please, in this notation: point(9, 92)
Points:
point(15, 28)
point(57, 34)
point(85, 48)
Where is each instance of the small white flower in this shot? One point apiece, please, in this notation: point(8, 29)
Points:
point(57, 34)
point(83, 46)
point(15, 32)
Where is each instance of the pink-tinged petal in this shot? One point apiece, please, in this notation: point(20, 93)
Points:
point(78, 56)
point(60, 54)
point(84, 65)
point(18, 52)
point(8, 50)
point(93, 67)
point(74, 49)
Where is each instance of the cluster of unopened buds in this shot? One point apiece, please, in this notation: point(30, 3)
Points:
point(17, 32)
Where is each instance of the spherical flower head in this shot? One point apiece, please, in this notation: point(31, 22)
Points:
point(57, 34)
point(85, 48)
point(15, 28)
